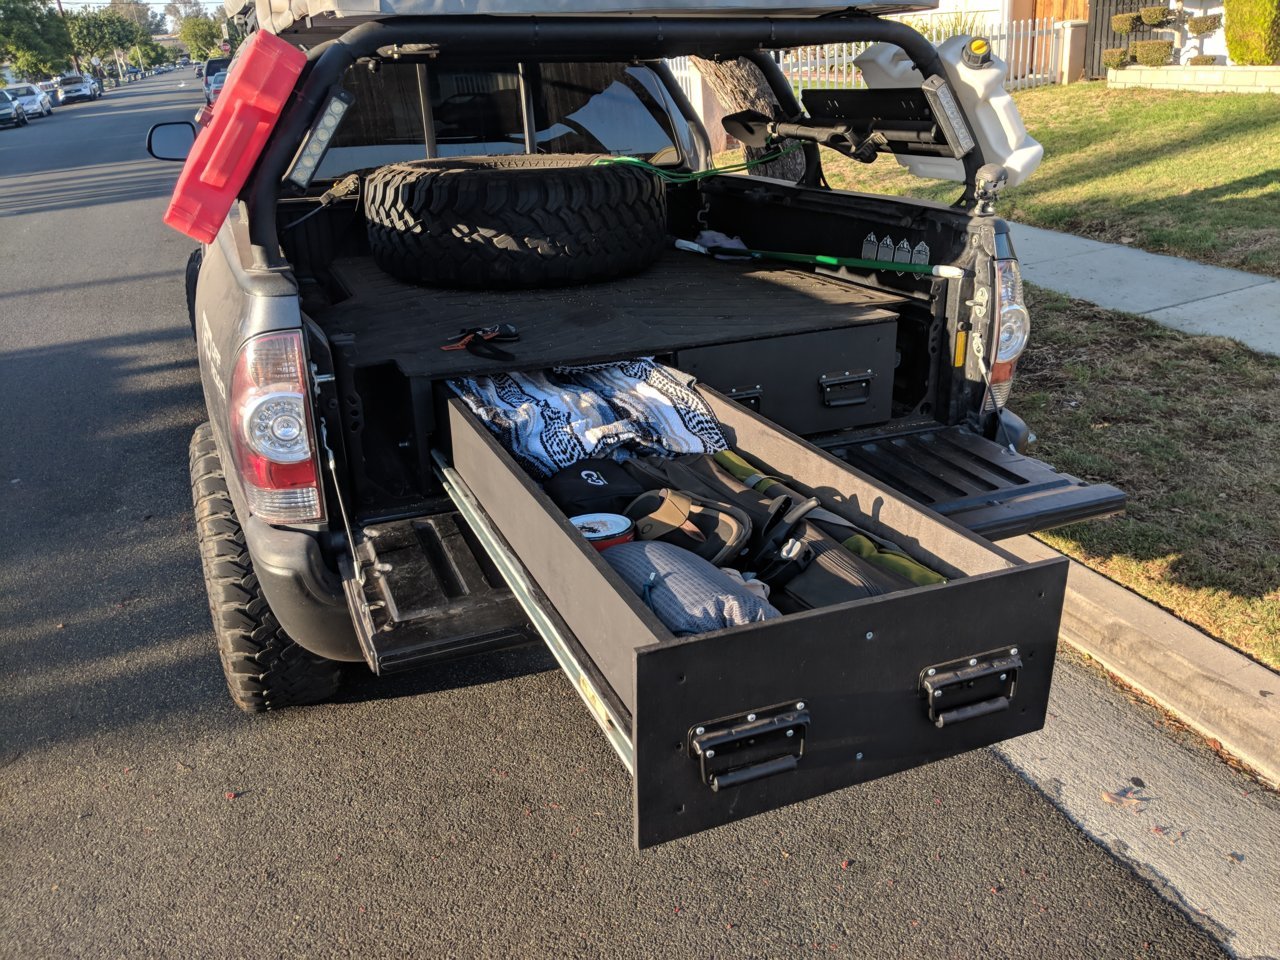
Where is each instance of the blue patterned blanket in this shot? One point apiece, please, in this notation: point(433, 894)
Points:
point(551, 419)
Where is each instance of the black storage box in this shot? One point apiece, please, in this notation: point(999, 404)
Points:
point(806, 382)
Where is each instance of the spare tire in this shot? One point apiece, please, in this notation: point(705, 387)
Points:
point(514, 221)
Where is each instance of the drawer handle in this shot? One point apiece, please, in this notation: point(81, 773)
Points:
point(756, 771)
point(973, 687)
point(845, 389)
point(749, 746)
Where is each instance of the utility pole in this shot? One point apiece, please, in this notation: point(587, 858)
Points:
point(75, 61)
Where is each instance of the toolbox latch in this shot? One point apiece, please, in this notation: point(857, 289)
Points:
point(845, 388)
point(969, 688)
point(750, 746)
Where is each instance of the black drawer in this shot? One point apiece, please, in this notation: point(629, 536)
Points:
point(807, 382)
point(724, 725)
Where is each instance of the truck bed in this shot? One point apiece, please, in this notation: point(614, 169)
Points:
point(684, 300)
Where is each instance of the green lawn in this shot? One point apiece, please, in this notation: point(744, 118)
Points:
point(1189, 427)
point(1191, 174)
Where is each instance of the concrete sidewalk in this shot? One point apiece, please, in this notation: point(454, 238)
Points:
point(1178, 293)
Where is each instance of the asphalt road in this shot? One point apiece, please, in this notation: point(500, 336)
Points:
point(471, 811)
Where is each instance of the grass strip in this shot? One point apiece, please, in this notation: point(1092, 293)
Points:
point(1189, 427)
point(1189, 174)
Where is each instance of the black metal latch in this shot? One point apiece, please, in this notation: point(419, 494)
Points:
point(845, 389)
point(971, 687)
point(749, 746)
point(750, 397)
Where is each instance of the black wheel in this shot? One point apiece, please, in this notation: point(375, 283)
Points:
point(193, 274)
point(264, 667)
point(24, 121)
point(514, 221)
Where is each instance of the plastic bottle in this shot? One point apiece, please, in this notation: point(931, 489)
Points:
point(994, 117)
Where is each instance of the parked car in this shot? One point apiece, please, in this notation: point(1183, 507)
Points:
point(50, 87)
point(73, 87)
point(212, 67)
point(199, 70)
point(34, 101)
point(215, 87)
point(12, 113)
point(358, 500)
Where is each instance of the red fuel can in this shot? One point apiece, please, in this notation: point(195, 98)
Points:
point(259, 82)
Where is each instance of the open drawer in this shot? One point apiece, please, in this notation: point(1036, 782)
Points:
point(723, 725)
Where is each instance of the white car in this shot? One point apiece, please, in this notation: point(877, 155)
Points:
point(72, 86)
point(34, 100)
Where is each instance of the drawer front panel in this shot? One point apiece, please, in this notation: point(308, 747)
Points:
point(853, 684)
point(809, 382)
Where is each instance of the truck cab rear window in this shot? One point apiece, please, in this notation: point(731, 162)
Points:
point(410, 112)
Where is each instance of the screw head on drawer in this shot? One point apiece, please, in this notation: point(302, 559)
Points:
point(1004, 676)
point(800, 705)
point(857, 756)
point(791, 733)
point(937, 693)
point(973, 663)
point(710, 754)
point(1013, 652)
point(751, 718)
point(931, 671)
point(870, 634)
point(699, 730)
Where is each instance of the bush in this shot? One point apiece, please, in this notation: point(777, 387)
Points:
point(1203, 60)
point(1153, 53)
point(1113, 58)
point(1125, 22)
point(1253, 31)
point(1154, 16)
point(1198, 26)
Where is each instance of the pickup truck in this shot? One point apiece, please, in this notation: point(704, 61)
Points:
point(430, 175)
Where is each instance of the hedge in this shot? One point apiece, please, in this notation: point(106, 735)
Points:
point(1253, 31)
point(1125, 22)
point(1154, 16)
point(1197, 26)
point(1153, 53)
point(1113, 58)
point(1203, 60)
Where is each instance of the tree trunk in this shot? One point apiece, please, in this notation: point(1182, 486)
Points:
point(739, 85)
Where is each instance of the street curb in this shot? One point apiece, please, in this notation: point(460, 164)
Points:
point(1219, 692)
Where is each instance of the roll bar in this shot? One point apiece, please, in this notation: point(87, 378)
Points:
point(559, 38)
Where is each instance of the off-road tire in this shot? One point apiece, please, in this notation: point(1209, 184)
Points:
point(514, 221)
point(264, 667)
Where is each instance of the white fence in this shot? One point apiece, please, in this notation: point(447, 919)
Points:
point(1031, 48)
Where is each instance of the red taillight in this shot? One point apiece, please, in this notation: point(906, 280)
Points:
point(273, 438)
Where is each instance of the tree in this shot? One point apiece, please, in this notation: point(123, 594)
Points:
point(739, 85)
point(200, 34)
point(180, 10)
point(34, 38)
point(103, 34)
point(140, 13)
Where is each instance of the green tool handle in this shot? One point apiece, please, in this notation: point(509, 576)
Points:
point(818, 259)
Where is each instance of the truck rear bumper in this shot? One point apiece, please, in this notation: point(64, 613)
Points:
point(305, 596)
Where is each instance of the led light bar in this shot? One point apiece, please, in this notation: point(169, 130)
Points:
point(942, 101)
point(316, 143)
